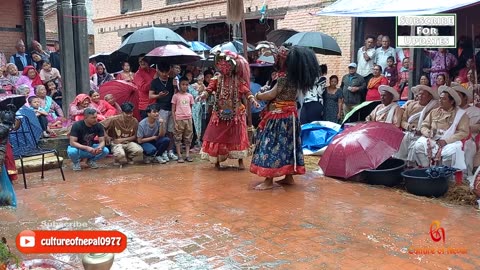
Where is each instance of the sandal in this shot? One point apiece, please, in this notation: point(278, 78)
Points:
point(189, 159)
point(180, 160)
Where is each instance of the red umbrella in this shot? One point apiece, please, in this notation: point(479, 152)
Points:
point(172, 54)
point(122, 91)
point(362, 147)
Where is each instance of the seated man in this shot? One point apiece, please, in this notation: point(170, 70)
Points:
point(413, 115)
point(151, 136)
point(388, 111)
point(81, 141)
point(443, 130)
point(122, 134)
point(473, 113)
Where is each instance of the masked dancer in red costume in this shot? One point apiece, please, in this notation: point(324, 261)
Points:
point(278, 149)
point(226, 134)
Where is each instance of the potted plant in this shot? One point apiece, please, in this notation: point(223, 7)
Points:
point(6, 256)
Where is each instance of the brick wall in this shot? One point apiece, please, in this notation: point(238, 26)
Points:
point(51, 23)
point(11, 15)
point(107, 17)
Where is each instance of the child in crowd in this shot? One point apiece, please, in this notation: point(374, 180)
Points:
point(391, 72)
point(182, 103)
point(49, 73)
point(54, 92)
point(41, 114)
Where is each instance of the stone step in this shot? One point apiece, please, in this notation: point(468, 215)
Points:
point(34, 164)
point(60, 143)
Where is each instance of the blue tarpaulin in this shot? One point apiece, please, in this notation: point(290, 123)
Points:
point(317, 135)
point(7, 193)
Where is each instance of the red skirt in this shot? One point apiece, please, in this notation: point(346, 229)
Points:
point(10, 162)
point(225, 139)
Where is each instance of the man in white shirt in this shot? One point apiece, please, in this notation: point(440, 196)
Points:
point(382, 53)
point(365, 57)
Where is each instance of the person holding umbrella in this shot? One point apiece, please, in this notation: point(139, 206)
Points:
point(142, 79)
point(388, 111)
point(443, 130)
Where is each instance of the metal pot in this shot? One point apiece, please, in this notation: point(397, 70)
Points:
point(98, 261)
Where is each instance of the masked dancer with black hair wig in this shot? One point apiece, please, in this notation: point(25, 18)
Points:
point(278, 149)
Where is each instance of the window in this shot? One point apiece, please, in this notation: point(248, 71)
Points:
point(173, 2)
point(130, 5)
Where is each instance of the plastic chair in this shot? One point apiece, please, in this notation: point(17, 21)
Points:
point(25, 145)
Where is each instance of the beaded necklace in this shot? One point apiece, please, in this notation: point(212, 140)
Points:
point(221, 106)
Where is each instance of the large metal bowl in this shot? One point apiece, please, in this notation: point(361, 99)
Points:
point(387, 174)
point(418, 182)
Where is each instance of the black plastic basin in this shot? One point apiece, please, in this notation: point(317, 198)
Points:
point(419, 183)
point(387, 174)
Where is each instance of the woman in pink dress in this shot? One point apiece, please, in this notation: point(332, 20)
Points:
point(31, 78)
point(378, 79)
point(101, 105)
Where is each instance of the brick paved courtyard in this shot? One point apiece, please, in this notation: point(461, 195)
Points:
point(190, 216)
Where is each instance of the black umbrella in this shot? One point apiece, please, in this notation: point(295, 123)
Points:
point(279, 36)
point(146, 39)
point(7, 100)
point(112, 61)
point(318, 42)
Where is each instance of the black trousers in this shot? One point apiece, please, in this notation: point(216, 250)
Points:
point(43, 122)
point(311, 111)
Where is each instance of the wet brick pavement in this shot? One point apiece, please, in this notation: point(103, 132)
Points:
point(191, 216)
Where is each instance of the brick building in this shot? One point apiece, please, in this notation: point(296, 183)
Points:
point(20, 20)
point(51, 23)
point(205, 20)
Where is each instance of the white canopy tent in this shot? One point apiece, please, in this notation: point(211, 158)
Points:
point(391, 8)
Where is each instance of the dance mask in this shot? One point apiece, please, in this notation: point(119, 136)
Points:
point(225, 63)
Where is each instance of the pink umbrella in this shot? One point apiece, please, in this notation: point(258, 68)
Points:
point(362, 147)
point(172, 54)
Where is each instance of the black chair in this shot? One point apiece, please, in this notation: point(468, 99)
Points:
point(25, 145)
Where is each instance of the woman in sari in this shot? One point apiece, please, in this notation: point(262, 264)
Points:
point(31, 78)
point(372, 88)
point(278, 149)
point(55, 113)
point(101, 76)
point(101, 105)
point(126, 74)
point(79, 104)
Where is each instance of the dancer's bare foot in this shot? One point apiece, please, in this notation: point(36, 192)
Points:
point(288, 180)
point(241, 166)
point(267, 184)
point(217, 165)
